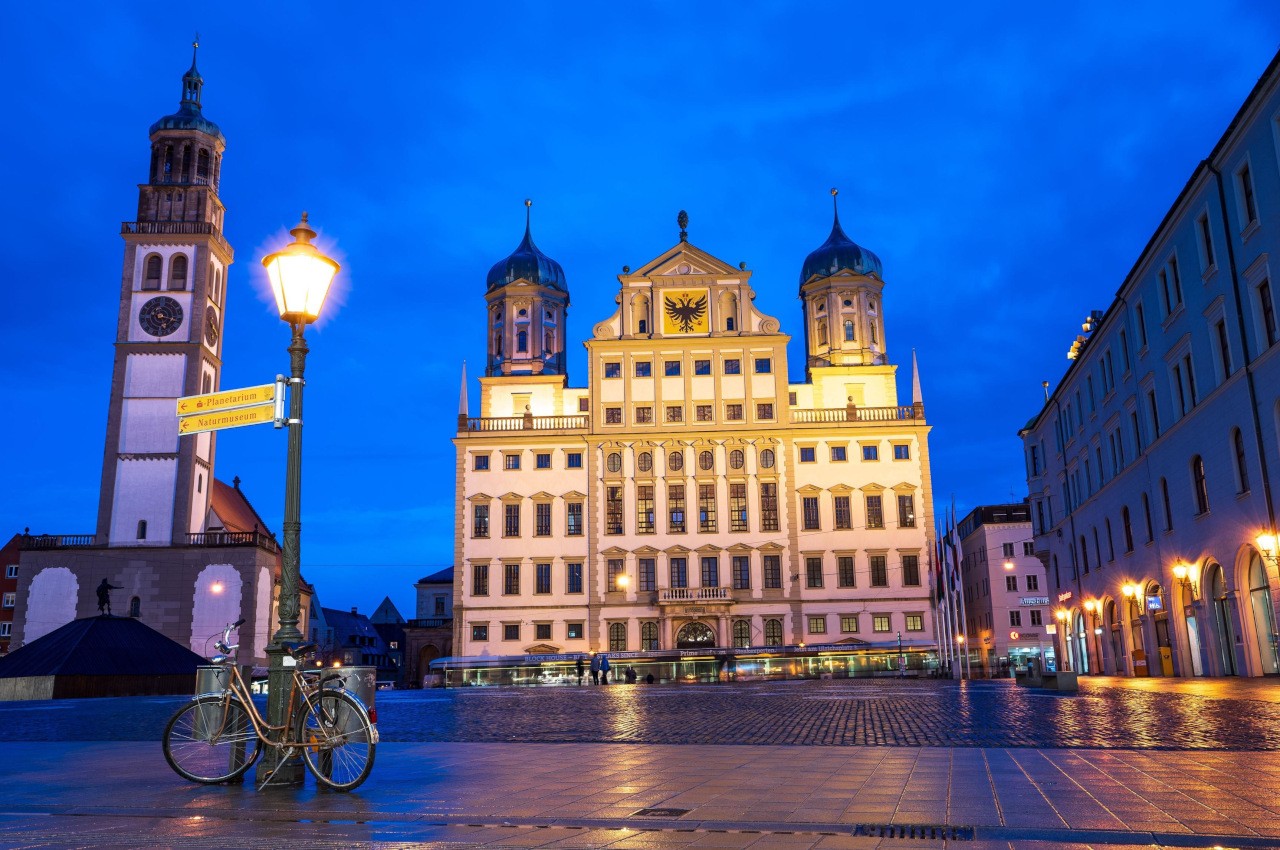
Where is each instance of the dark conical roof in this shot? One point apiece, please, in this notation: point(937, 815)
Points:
point(527, 263)
point(101, 646)
point(189, 116)
point(839, 252)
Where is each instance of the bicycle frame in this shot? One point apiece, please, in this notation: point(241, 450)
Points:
point(300, 699)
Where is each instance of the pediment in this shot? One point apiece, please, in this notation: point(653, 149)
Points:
point(573, 494)
point(647, 550)
point(511, 497)
point(480, 497)
point(613, 550)
point(687, 260)
point(872, 488)
point(840, 489)
point(542, 496)
point(771, 547)
point(541, 649)
point(677, 550)
point(739, 547)
point(904, 487)
point(809, 490)
point(709, 549)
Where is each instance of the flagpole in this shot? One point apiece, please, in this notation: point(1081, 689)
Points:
point(964, 622)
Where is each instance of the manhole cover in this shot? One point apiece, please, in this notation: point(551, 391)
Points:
point(924, 832)
point(660, 813)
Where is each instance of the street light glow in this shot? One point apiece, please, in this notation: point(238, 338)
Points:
point(300, 276)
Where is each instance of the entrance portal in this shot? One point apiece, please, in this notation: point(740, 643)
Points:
point(695, 636)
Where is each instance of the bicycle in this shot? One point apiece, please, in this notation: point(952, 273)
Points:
point(218, 736)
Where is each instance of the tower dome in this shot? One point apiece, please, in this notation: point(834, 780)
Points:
point(839, 252)
point(528, 263)
point(188, 116)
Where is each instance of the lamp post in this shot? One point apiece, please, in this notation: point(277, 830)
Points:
point(964, 653)
point(300, 278)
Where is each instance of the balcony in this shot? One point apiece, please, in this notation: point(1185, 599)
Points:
point(523, 423)
point(693, 595)
point(430, 623)
point(853, 413)
point(58, 541)
point(174, 228)
point(235, 538)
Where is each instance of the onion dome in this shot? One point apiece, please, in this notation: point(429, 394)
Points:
point(188, 116)
point(527, 263)
point(839, 252)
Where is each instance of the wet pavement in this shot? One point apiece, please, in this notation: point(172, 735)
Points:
point(518, 768)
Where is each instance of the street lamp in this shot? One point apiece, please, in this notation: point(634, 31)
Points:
point(300, 278)
point(1184, 573)
point(1269, 545)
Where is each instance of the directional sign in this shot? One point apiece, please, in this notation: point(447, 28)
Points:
point(226, 400)
point(257, 415)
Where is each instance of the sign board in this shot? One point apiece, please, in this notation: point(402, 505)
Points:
point(1014, 636)
point(1033, 600)
point(1063, 597)
point(256, 415)
point(226, 400)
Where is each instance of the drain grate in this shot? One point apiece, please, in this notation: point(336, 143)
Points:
point(660, 813)
point(924, 832)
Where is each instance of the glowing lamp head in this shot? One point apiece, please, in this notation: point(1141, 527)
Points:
point(1008, 565)
point(216, 587)
point(337, 663)
point(623, 581)
point(1267, 542)
point(1062, 615)
point(959, 638)
point(1129, 590)
point(300, 276)
point(1090, 605)
point(1180, 572)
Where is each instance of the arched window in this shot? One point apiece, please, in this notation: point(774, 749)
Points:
point(848, 330)
point(549, 341)
point(202, 164)
point(741, 633)
point(773, 633)
point(178, 272)
point(522, 341)
point(1128, 529)
point(1199, 484)
point(648, 636)
point(142, 529)
point(154, 268)
point(644, 462)
point(1168, 508)
point(617, 637)
point(1242, 464)
point(497, 342)
point(874, 340)
point(186, 163)
point(1084, 554)
point(822, 333)
point(135, 607)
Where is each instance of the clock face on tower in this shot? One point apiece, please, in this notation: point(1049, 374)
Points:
point(211, 329)
point(160, 316)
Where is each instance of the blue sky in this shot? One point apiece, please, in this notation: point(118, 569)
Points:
point(1007, 163)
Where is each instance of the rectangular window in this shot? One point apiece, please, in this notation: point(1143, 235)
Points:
point(702, 367)
point(906, 512)
point(11, 571)
point(511, 521)
point(809, 512)
point(573, 631)
point(768, 507)
point(880, 623)
point(1124, 349)
point(644, 369)
point(573, 578)
point(813, 571)
point(542, 460)
point(1011, 583)
point(838, 454)
point(764, 366)
point(479, 632)
point(644, 509)
point(1206, 243)
point(480, 580)
point(733, 412)
point(679, 572)
point(1036, 618)
point(901, 451)
point(675, 413)
point(764, 410)
point(870, 452)
point(613, 370)
point(1244, 184)
point(741, 572)
point(1140, 319)
point(648, 574)
point(675, 508)
point(844, 515)
point(1155, 412)
point(704, 413)
point(480, 521)
point(1224, 349)
point(671, 368)
point(613, 510)
point(481, 462)
point(911, 570)
point(644, 415)
point(1033, 582)
point(573, 513)
point(613, 416)
point(738, 507)
point(771, 567)
point(541, 578)
point(875, 513)
point(542, 631)
point(817, 625)
point(511, 461)
point(1268, 312)
point(733, 366)
point(845, 574)
point(1015, 618)
point(615, 568)
point(511, 579)
point(1006, 549)
point(879, 570)
point(915, 622)
point(706, 507)
point(710, 571)
point(807, 454)
point(573, 460)
point(849, 623)
point(542, 519)
point(584, 404)
point(6, 630)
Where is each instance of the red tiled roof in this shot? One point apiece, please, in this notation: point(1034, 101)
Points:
point(231, 506)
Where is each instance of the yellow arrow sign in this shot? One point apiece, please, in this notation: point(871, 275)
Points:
point(226, 400)
point(256, 415)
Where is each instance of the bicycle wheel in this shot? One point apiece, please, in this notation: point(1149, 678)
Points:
point(338, 741)
point(205, 743)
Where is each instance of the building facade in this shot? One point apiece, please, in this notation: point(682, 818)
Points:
point(1007, 610)
point(689, 498)
point(181, 551)
point(1151, 467)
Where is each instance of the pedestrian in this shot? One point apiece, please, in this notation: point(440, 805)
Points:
point(104, 596)
point(604, 669)
point(648, 680)
point(580, 667)
point(631, 675)
point(595, 669)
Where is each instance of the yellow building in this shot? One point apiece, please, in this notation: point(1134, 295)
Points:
point(689, 501)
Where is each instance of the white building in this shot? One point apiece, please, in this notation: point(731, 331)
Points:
point(1151, 465)
point(689, 497)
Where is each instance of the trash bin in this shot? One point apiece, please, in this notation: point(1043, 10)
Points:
point(212, 679)
point(360, 682)
point(208, 722)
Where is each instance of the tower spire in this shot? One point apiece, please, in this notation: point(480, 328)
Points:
point(835, 205)
point(462, 393)
point(917, 397)
point(192, 82)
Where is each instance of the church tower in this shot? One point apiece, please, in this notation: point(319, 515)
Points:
point(840, 286)
point(156, 488)
point(528, 302)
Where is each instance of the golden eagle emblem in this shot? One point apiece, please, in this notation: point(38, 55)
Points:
point(684, 314)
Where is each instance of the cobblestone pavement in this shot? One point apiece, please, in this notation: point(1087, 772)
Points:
point(1216, 714)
